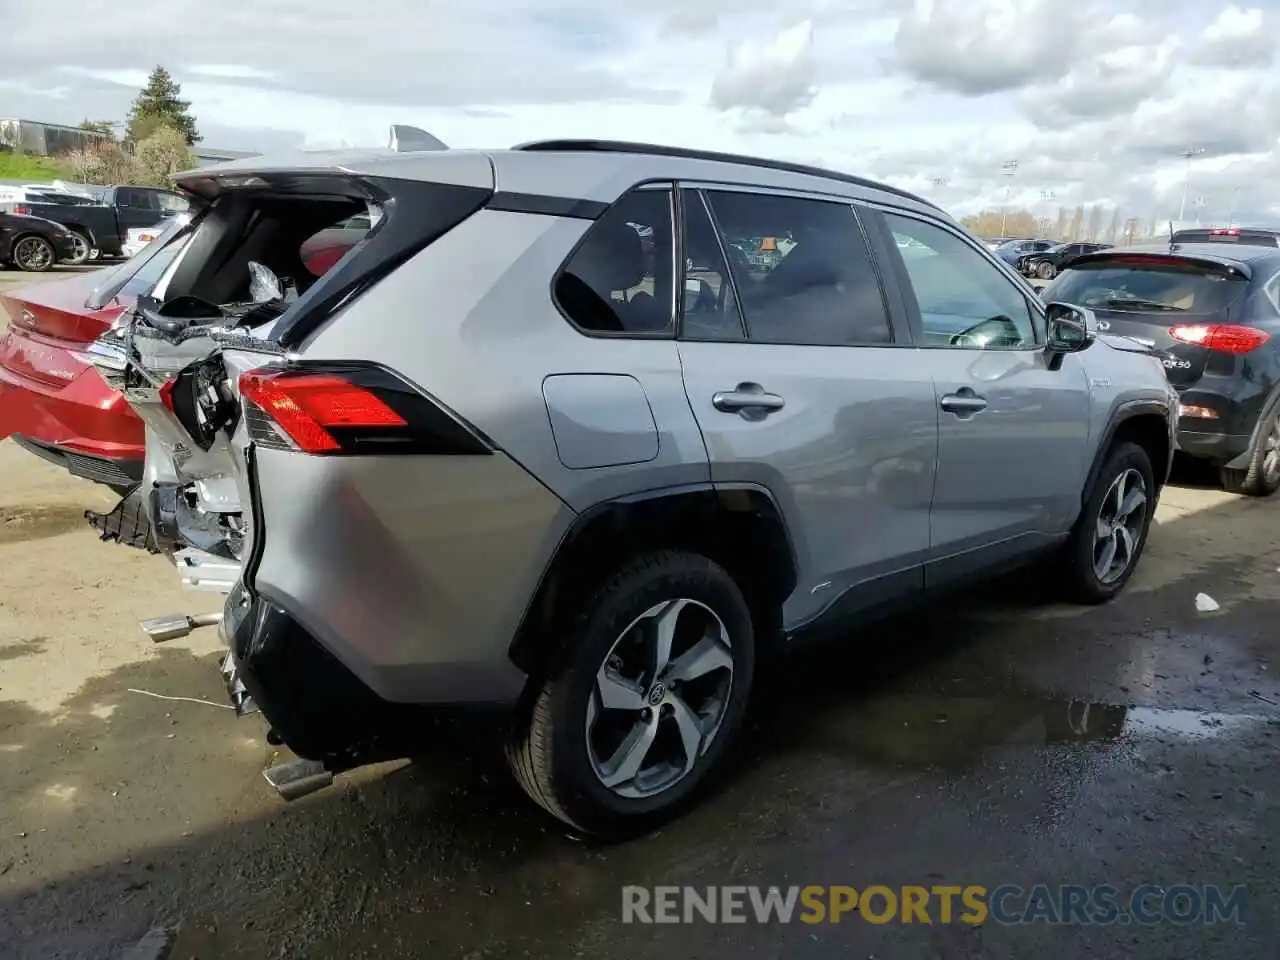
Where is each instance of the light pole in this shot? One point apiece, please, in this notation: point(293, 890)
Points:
point(1007, 169)
point(1199, 203)
point(1235, 204)
point(1187, 155)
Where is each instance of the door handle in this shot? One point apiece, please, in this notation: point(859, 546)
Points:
point(747, 398)
point(964, 403)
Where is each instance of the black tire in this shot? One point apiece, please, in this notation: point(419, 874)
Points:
point(33, 254)
point(1045, 270)
point(82, 251)
point(1083, 582)
point(548, 751)
point(1261, 478)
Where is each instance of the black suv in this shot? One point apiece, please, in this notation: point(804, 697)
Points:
point(1212, 313)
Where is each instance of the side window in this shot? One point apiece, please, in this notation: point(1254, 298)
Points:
point(801, 270)
point(620, 279)
point(710, 307)
point(964, 300)
point(1272, 290)
point(172, 203)
point(127, 197)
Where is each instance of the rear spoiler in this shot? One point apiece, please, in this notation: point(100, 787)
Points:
point(1154, 258)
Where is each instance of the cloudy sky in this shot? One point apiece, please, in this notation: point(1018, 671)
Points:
point(1097, 101)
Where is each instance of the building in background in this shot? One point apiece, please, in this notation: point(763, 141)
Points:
point(44, 139)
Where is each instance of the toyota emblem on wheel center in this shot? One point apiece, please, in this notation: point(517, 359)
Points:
point(656, 693)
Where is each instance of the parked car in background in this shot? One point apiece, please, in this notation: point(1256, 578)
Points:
point(994, 243)
point(33, 244)
point(1045, 264)
point(137, 238)
point(1211, 312)
point(1250, 236)
point(1011, 250)
point(490, 457)
point(104, 226)
point(53, 403)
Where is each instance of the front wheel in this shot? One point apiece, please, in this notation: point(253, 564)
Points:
point(33, 254)
point(1107, 541)
point(644, 700)
point(1045, 270)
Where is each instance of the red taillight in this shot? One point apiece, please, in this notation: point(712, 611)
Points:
point(22, 211)
point(308, 406)
point(1225, 337)
point(166, 394)
point(1225, 232)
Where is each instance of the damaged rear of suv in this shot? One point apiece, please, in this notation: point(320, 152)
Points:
point(555, 436)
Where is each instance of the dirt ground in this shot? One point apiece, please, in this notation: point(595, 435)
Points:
point(120, 811)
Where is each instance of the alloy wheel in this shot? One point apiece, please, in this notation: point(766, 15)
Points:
point(1119, 526)
point(659, 698)
point(80, 251)
point(1271, 453)
point(32, 253)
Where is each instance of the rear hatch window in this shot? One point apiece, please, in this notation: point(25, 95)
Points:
point(1157, 299)
point(297, 248)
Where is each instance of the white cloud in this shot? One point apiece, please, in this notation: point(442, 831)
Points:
point(1096, 98)
point(1241, 38)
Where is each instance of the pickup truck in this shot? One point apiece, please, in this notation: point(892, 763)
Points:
point(101, 228)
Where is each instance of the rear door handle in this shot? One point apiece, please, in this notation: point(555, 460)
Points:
point(965, 403)
point(747, 399)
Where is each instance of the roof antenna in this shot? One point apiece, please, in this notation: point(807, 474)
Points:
point(407, 139)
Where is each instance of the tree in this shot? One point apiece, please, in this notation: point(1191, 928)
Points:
point(104, 163)
point(104, 127)
point(161, 155)
point(159, 105)
point(1077, 223)
point(1095, 223)
point(1060, 228)
point(1113, 231)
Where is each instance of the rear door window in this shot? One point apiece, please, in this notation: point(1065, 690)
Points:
point(1150, 285)
point(801, 269)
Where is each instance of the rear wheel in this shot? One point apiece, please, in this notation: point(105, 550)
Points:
point(1109, 537)
point(1261, 477)
point(33, 254)
point(81, 249)
point(645, 699)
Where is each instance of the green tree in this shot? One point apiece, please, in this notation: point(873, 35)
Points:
point(104, 127)
point(161, 155)
point(159, 104)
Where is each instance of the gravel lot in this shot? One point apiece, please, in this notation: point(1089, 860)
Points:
point(924, 749)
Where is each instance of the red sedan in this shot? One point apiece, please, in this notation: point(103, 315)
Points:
point(52, 400)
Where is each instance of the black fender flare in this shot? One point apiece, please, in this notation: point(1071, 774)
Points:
point(649, 504)
point(1123, 413)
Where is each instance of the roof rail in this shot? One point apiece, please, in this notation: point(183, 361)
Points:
point(658, 150)
point(407, 139)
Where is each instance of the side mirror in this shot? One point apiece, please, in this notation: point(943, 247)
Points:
point(1071, 328)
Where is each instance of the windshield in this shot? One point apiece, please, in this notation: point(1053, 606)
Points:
point(1175, 287)
point(114, 281)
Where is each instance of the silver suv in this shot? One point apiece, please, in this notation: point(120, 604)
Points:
point(589, 429)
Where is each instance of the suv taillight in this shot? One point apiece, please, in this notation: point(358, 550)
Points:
point(1224, 337)
point(22, 210)
point(349, 408)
